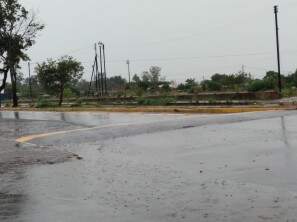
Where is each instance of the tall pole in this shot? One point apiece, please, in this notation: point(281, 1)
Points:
point(96, 70)
point(101, 69)
point(278, 51)
point(30, 83)
point(104, 64)
point(129, 73)
point(90, 85)
point(243, 69)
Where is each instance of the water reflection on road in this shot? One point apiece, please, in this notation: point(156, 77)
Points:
point(90, 119)
point(221, 169)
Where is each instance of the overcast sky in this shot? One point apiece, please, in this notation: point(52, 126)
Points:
point(189, 38)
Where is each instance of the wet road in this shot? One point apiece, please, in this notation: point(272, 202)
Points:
point(148, 167)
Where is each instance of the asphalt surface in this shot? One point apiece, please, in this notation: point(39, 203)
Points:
point(148, 167)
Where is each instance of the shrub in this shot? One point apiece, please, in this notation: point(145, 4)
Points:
point(44, 103)
point(259, 85)
point(68, 93)
point(156, 102)
point(289, 92)
point(77, 103)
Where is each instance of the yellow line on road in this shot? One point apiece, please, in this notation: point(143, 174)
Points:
point(26, 139)
point(29, 138)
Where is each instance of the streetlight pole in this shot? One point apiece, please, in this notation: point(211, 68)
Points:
point(278, 50)
point(129, 73)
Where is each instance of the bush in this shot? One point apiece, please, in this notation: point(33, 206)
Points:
point(68, 93)
point(260, 85)
point(77, 103)
point(156, 102)
point(289, 92)
point(44, 103)
point(212, 101)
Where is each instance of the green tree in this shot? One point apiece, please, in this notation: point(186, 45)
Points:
point(82, 87)
point(54, 75)
point(271, 79)
point(150, 80)
point(18, 31)
point(136, 79)
point(291, 80)
point(116, 83)
point(155, 73)
point(35, 87)
point(189, 86)
point(210, 85)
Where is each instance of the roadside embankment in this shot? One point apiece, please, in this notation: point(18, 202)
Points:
point(161, 109)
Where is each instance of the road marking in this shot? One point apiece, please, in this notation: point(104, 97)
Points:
point(26, 139)
point(29, 138)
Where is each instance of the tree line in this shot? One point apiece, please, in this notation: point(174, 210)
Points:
point(63, 77)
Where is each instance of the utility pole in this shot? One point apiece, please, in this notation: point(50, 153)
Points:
point(103, 74)
point(278, 51)
point(101, 69)
point(30, 83)
point(104, 66)
point(243, 69)
point(99, 76)
point(129, 73)
point(90, 85)
point(96, 71)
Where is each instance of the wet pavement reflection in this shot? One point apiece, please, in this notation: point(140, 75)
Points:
point(89, 119)
point(194, 168)
point(12, 200)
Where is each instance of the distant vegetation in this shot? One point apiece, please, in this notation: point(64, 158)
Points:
point(62, 78)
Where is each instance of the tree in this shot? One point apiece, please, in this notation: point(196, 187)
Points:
point(82, 87)
point(136, 79)
point(25, 90)
point(155, 73)
point(291, 80)
point(18, 31)
point(54, 75)
point(149, 79)
point(258, 85)
point(189, 86)
point(271, 79)
point(210, 85)
point(116, 83)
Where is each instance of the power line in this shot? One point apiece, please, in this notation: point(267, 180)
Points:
point(194, 58)
point(189, 58)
